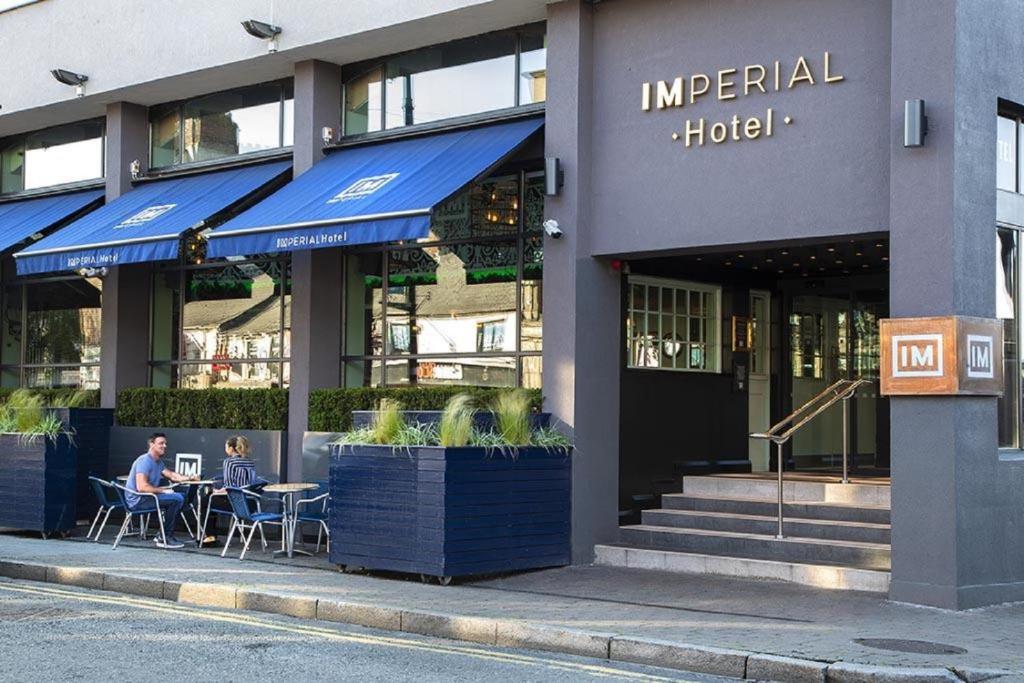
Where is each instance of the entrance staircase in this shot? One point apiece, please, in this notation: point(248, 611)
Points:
point(836, 535)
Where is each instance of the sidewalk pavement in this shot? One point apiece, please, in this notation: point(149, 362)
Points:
point(732, 627)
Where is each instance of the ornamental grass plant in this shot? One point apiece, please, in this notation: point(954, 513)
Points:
point(25, 414)
point(512, 417)
point(456, 428)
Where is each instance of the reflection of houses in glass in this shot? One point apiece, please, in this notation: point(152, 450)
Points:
point(227, 330)
point(451, 314)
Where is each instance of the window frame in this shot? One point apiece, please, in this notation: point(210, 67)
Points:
point(520, 237)
point(714, 323)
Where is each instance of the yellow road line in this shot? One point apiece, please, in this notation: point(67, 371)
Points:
point(409, 644)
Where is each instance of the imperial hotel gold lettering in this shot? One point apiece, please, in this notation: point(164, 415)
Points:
point(733, 83)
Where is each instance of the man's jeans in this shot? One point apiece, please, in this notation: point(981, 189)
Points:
point(170, 505)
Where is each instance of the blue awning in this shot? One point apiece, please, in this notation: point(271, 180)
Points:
point(374, 193)
point(145, 224)
point(22, 219)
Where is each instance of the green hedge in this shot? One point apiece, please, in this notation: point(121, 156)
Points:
point(330, 410)
point(57, 398)
point(203, 408)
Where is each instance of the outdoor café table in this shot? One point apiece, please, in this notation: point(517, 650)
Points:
point(203, 484)
point(288, 508)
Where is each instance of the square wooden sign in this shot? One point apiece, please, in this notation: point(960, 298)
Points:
point(946, 356)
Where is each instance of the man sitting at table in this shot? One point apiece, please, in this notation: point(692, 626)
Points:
point(145, 478)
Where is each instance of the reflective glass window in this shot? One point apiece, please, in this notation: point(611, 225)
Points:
point(224, 326)
point(533, 81)
point(51, 333)
point(1007, 309)
point(55, 156)
point(1006, 154)
point(463, 77)
point(231, 123)
point(461, 306)
point(363, 103)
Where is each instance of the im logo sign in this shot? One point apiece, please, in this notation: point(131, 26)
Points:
point(946, 356)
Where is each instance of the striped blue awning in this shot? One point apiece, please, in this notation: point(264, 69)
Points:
point(24, 219)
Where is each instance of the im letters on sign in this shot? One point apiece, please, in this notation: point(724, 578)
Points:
point(952, 355)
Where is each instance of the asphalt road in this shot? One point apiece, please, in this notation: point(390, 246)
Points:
point(55, 633)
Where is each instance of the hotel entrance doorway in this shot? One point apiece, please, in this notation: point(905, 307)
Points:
point(832, 336)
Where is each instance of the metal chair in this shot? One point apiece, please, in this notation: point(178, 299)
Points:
point(255, 501)
point(143, 510)
point(106, 496)
point(309, 512)
point(244, 518)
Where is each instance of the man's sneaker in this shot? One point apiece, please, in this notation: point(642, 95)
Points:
point(171, 543)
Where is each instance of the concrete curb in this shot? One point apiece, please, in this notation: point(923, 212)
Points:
point(497, 632)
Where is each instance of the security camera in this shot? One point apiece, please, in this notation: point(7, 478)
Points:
point(264, 31)
point(552, 229)
point(327, 135)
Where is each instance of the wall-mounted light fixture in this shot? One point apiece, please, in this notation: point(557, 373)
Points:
point(554, 176)
point(263, 31)
point(327, 135)
point(915, 123)
point(71, 78)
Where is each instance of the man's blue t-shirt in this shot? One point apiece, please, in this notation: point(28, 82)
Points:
point(146, 465)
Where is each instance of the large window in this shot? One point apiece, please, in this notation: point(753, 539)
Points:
point(225, 124)
point(51, 333)
point(673, 325)
point(461, 306)
point(56, 156)
point(222, 325)
point(1008, 310)
point(1007, 154)
point(485, 73)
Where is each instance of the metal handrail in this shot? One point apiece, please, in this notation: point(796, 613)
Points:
point(841, 390)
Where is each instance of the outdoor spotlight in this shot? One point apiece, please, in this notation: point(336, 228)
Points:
point(71, 78)
point(327, 135)
point(264, 31)
point(915, 123)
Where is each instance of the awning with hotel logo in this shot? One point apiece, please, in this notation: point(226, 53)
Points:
point(23, 219)
point(372, 193)
point(147, 223)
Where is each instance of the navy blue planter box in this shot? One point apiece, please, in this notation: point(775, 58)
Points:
point(37, 484)
point(90, 428)
point(449, 512)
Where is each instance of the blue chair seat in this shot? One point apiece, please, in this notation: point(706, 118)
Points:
point(266, 517)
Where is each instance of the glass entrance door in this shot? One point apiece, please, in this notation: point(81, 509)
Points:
point(832, 338)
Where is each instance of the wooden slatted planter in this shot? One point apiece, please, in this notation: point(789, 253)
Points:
point(449, 512)
point(37, 484)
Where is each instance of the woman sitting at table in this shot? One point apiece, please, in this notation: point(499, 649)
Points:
point(239, 468)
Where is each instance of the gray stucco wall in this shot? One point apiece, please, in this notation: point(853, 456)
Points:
point(958, 512)
point(825, 174)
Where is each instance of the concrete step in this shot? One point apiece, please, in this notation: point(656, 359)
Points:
point(817, 575)
point(757, 546)
point(768, 525)
point(867, 514)
point(793, 490)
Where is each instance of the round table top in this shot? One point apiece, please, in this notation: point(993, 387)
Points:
point(124, 477)
point(293, 487)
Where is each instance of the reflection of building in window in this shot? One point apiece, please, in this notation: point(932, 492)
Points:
point(490, 336)
point(224, 331)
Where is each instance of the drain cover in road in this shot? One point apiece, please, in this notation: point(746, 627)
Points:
point(917, 647)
